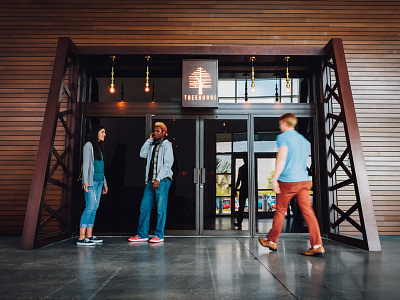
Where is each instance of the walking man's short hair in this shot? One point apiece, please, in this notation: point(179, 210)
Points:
point(289, 118)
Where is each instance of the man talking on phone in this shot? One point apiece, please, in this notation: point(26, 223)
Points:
point(160, 157)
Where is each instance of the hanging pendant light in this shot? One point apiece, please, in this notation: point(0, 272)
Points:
point(253, 85)
point(112, 89)
point(288, 90)
point(147, 88)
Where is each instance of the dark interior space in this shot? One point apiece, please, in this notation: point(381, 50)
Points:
point(124, 171)
point(181, 208)
point(119, 210)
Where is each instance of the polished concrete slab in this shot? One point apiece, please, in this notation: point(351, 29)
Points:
point(198, 268)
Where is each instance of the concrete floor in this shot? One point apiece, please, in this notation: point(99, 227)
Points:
point(198, 268)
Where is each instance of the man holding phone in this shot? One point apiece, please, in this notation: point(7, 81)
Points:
point(160, 157)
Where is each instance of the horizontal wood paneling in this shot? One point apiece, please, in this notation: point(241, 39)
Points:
point(29, 30)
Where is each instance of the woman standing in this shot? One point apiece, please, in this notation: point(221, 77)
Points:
point(94, 184)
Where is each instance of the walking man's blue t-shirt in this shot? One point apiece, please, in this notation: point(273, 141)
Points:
point(296, 162)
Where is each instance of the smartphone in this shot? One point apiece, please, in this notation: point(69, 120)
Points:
point(153, 135)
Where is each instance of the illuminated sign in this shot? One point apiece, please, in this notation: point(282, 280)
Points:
point(199, 83)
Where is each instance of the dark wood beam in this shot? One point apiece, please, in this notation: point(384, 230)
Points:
point(203, 50)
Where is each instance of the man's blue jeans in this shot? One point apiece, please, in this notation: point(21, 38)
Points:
point(153, 196)
point(92, 200)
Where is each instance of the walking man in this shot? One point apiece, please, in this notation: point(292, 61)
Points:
point(291, 179)
point(160, 158)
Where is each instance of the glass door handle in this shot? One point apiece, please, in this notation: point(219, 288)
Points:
point(203, 175)
point(196, 176)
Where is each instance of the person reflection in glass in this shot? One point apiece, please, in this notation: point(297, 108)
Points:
point(243, 192)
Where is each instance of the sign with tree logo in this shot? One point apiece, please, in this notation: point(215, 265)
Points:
point(199, 83)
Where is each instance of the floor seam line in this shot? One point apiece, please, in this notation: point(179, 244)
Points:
point(269, 271)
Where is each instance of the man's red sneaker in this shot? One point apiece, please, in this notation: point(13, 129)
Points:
point(137, 238)
point(156, 239)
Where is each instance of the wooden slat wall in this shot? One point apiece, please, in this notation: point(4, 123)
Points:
point(28, 37)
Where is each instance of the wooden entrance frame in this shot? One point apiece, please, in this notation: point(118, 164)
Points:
point(331, 56)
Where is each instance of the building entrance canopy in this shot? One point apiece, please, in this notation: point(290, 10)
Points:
point(333, 104)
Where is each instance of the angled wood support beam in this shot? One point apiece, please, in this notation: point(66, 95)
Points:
point(43, 158)
point(358, 175)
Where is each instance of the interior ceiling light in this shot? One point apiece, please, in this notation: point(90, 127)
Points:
point(253, 85)
point(112, 89)
point(287, 74)
point(147, 88)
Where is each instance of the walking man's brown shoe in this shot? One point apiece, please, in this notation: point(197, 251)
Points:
point(267, 243)
point(314, 251)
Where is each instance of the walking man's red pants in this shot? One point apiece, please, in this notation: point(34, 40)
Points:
point(288, 191)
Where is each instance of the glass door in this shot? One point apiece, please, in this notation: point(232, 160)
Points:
point(183, 198)
point(265, 148)
point(223, 151)
point(210, 155)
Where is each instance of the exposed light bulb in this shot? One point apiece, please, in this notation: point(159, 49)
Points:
point(112, 89)
point(147, 89)
point(287, 86)
point(253, 88)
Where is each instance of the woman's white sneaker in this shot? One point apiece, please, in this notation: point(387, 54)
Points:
point(85, 242)
point(94, 239)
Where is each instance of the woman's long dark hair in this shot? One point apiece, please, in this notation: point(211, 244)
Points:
point(97, 146)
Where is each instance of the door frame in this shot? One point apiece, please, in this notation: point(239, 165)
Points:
point(248, 111)
point(250, 151)
point(199, 170)
point(149, 128)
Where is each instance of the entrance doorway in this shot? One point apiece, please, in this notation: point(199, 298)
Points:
point(207, 196)
point(225, 146)
point(327, 86)
point(206, 150)
point(266, 130)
